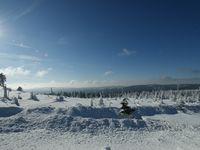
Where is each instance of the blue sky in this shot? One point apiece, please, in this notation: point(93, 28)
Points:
point(89, 43)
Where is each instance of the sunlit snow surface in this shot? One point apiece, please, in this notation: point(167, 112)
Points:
point(74, 125)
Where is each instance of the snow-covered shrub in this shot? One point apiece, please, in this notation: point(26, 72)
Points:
point(125, 109)
point(33, 97)
point(106, 148)
point(15, 101)
point(60, 99)
point(79, 105)
point(198, 98)
point(180, 105)
point(19, 97)
point(110, 104)
point(101, 103)
point(91, 103)
point(190, 100)
point(20, 89)
point(161, 102)
point(3, 85)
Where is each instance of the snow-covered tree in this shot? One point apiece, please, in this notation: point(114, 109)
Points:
point(15, 101)
point(9, 90)
point(125, 109)
point(2, 84)
point(180, 105)
point(106, 148)
point(91, 103)
point(60, 98)
point(19, 89)
point(101, 103)
point(33, 97)
point(19, 96)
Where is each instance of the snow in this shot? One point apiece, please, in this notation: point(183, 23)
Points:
point(9, 111)
point(73, 124)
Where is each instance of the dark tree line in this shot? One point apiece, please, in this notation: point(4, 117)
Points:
point(83, 94)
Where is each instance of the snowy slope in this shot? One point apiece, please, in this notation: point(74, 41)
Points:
point(74, 124)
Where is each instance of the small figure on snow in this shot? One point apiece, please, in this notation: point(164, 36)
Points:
point(125, 109)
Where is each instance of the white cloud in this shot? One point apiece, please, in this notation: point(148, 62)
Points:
point(17, 57)
point(14, 71)
point(109, 72)
point(126, 52)
point(21, 45)
point(72, 82)
point(42, 73)
point(27, 57)
point(46, 55)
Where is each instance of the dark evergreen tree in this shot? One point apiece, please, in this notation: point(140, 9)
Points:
point(125, 109)
point(19, 89)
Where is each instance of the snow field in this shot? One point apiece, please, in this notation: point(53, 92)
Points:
point(73, 124)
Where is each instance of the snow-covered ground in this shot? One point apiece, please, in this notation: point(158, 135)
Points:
point(74, 124)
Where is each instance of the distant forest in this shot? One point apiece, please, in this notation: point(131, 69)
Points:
point(112, 92)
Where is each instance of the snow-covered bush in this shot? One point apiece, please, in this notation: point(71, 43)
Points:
point(106, 148)
point(161, 102)
point(3, 85)
point(33, 97)
point(180, 105)
point(60, 99)
point(91, 103)
point(101, 103)
point(110, 104)
point(125, 109)
point(19, 97)
point(15, 101)
point(20, 89)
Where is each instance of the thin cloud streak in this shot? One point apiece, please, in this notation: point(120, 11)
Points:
point(107, 73)
point(189, 70)
point(35, 4)
point(21, 45)
point(17, 57)
point(19, 12)
point(126, 52)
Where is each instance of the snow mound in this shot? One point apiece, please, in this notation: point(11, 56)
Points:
point(43, 110)
point(77, 124)
point(9, 111)
point(90, 112)
point(84, 118)
point(74, 119)
point(16, 124)
point(153, 110)
point(193, 108)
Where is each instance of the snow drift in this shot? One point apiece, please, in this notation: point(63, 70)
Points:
point(73, 119)
point(84, 118)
